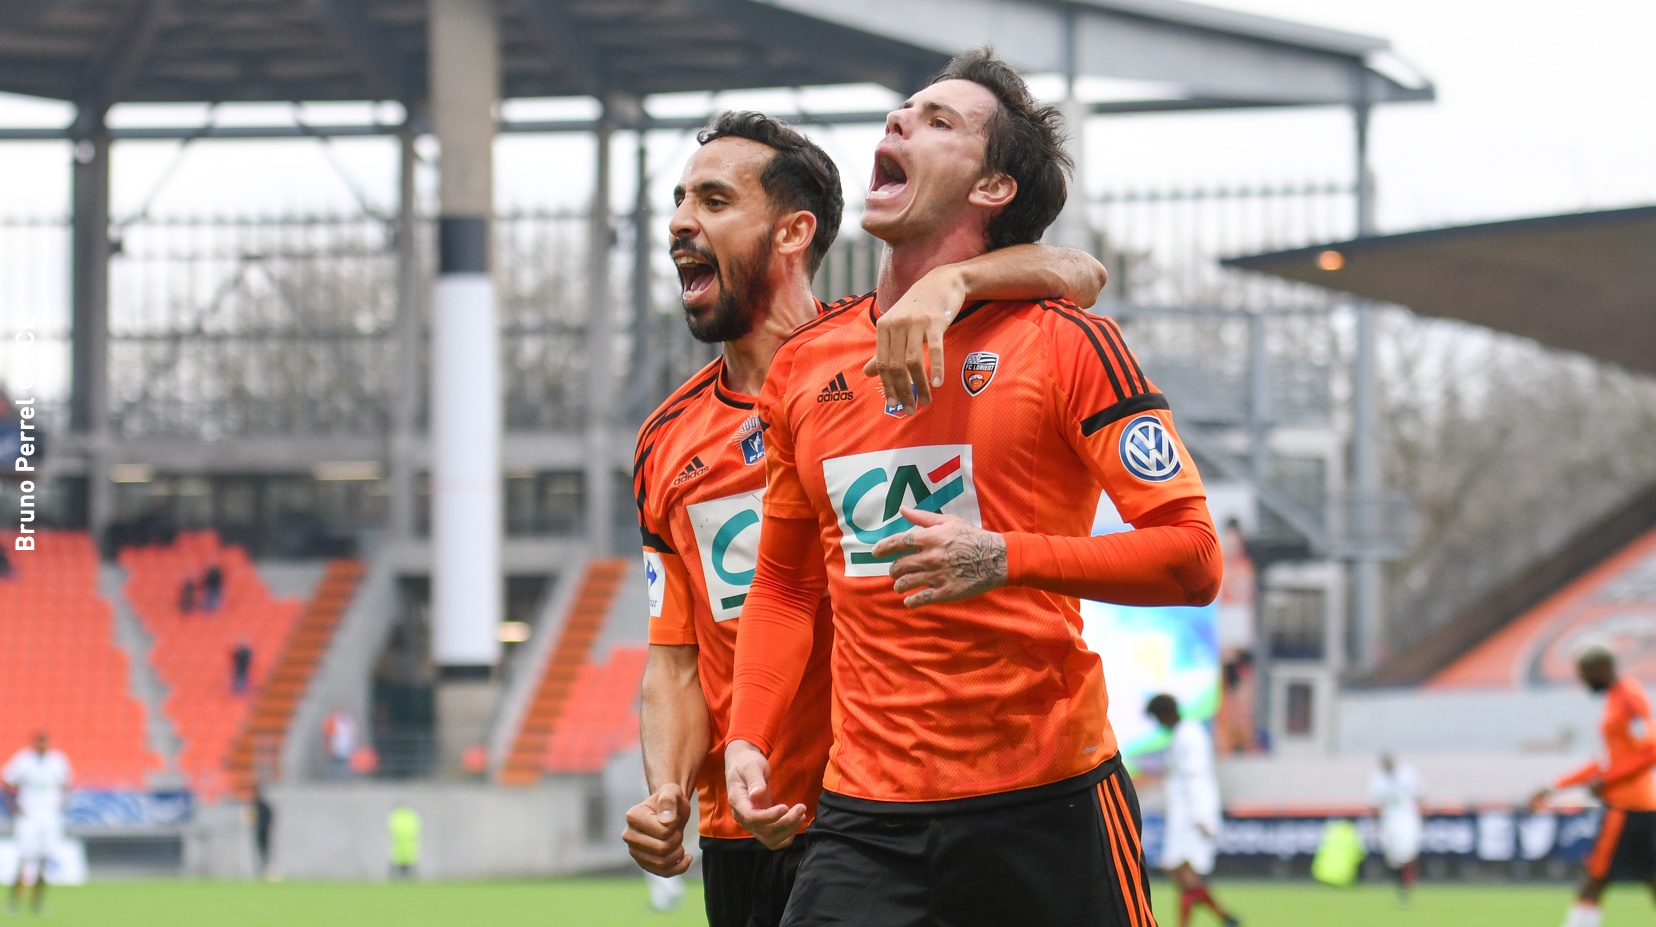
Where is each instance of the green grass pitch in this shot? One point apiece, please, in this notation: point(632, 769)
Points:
point(620, 902)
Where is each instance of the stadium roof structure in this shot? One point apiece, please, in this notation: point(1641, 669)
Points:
point(1584, 282)
point(96, 53)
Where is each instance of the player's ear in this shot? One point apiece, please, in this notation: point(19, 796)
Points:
point(793, 232)
point(993, 191)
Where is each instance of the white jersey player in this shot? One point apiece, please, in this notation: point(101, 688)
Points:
point(1394, 792)
point(1190, 839)
point(39, 777)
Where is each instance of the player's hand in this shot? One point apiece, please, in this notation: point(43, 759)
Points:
point(747, 780)
point(910, 338)
point(943, 559)
point(1539, 800)
point(655, 831)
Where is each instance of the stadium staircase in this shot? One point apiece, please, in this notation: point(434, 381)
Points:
point(192, 650)
point(61, 670)
point(256, 751)
point(146, 685)
point(1589, 547)
point(583, 621)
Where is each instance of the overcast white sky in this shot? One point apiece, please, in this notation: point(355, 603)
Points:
point(1543, 107)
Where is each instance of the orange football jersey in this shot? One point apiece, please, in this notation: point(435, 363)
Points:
point(1046, 410)
point(699, 477)
point(1625, 777)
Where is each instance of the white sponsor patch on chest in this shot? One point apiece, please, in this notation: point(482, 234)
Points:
point(868, 490)
point(727, 538)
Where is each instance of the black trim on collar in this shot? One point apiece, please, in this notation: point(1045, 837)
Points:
point(970, 309)
point(727, 397)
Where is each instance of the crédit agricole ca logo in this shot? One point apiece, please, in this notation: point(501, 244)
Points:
point(727, 538)
point(868, 490)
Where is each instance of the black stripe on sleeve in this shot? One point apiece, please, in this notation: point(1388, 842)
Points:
point(676, 408)
point(834, 312)
point(1129, 363)
point(641, 486)
point(1133, 405)
point(655, 541)
point(1125, 361)
point(638, 474)
point(1103, 357)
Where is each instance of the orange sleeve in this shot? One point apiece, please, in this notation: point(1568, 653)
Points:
point(1121, 427)
point(1630, 765)
point(1586, 775)
point(1173, 558)
point(1630, 705)
point(1116, 419)
point(777, 628)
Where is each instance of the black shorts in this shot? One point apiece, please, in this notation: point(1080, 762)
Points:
point(745, 884)
point(1066, 854)
point(1625, 850)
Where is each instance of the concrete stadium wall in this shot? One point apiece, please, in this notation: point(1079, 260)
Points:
point(1417, 721)
point(218, 843)
point(471, 830)
point(1470, 748)
point(1267, 784)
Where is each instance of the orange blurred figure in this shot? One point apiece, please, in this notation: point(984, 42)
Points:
point(364, 760)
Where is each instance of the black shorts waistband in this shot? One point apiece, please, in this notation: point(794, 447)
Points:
point(1034, 793)
point(745, 844)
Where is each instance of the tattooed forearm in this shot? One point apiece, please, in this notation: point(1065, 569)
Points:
point(979, 559)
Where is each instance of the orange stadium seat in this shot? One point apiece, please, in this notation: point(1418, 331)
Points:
point(61, 670)
point(192, 650)
point(601, 717)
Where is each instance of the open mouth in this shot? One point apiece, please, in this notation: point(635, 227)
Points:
point(696, 274)
point(889, 176)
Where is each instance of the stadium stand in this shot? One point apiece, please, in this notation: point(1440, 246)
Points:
point(600, 718)
point(1525, 594)
point(192, 649)
point(60, 668)
point(257, 747)
point(526, 759)
point(1613, 604)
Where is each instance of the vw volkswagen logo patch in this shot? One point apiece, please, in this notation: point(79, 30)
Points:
point(978, 370)
point(1148, 451)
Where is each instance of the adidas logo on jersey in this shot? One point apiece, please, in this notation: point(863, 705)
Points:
point(691, 470)
point(836, 390)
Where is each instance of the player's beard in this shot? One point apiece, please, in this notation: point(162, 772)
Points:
point(743, 287)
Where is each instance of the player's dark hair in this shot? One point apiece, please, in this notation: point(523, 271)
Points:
point(1026, 143)
point(800, 176)
point(1162, 704)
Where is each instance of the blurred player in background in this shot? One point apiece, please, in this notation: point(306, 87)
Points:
point(403, 828)
point(38, 778)
point(1193, 810)
point(757, 208)
point(1625, 850)
point(974, 777)
point(1394, 793)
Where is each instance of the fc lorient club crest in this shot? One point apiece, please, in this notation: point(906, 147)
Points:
point(978, 370)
